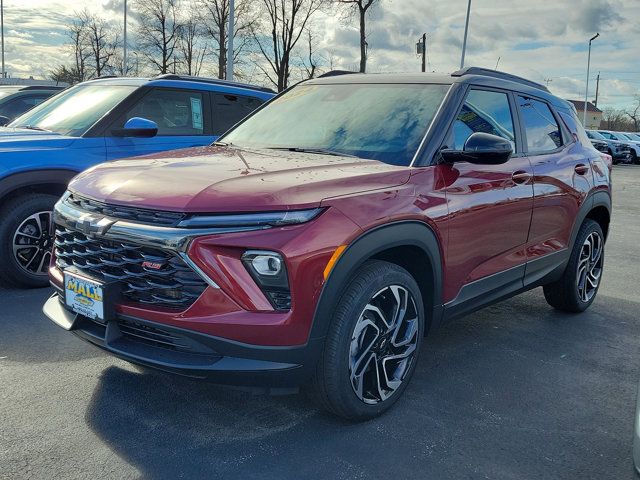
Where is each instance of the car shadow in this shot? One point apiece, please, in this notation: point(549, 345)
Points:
point(27, 336)
point(487, 387)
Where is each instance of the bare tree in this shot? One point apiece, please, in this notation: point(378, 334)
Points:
point(215, 18)
point(78, 34)
point(158, 32)
point(65, 74)
point(362, 7)
point(192, 52)
point(616, 120)
point(310, 64)
point(286, 20)
point(102, 41)
point(634, 113)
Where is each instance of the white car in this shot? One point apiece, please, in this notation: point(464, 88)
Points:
point(634, 142)
point(620, 137)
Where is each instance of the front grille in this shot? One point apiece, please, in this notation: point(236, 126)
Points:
point(139, 215)
point(147, 275)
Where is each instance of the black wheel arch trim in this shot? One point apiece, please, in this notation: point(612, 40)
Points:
point(33, 178)
point(411, 233)
point(595, 199)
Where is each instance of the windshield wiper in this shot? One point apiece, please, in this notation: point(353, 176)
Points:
point(320, 151)
point(33, 127)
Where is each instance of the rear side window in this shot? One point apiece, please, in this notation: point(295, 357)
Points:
point(176, 112)
point(486, 112)
point(541, 127)
point(576, 128)
point(230, 109)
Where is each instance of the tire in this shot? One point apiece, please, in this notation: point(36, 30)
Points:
point(25, 220)
point(576, 290)
point(344, 381)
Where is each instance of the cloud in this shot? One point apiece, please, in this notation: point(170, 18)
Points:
point(541, 39)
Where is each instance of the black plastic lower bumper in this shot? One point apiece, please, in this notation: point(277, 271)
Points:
point(190, 353)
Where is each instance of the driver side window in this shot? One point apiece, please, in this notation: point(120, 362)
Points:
point(483, 111)
point(175, 112)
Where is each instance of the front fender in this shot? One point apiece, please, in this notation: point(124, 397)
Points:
point(366, 246)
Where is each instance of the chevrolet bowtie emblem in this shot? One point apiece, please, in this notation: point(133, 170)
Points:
point(90, 224)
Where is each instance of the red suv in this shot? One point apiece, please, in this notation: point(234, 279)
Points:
point(321, 238)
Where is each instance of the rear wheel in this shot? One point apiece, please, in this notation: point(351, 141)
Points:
point(26, 240)
point(373, 343)
point(577, 288)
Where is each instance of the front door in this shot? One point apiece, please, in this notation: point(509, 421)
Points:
point(489, 205)
point(183, 118)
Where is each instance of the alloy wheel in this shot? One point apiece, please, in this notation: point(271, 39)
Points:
point(383, 344)
point(590, 266)
point(32, 242)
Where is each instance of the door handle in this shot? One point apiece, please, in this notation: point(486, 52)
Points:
point(520, 176)
point(581, 169)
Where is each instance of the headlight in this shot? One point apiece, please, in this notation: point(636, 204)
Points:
point(260, 220)
point(268, 270)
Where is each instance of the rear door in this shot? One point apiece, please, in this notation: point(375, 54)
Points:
point(183, 117)
point(489, 205)
point(562, 179)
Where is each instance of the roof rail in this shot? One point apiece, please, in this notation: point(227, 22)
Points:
point(487, 72)
point(335, 73)
point(41, 87)
point(211, 81)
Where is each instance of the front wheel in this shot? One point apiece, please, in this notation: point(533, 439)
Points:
point(577, 288)
point(373, 343)
point(26, 240)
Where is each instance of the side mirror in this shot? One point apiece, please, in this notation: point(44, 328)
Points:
point(4, 121)
point(481, 148)
point(137, 127)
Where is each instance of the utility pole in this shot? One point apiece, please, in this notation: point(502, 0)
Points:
point(422, 49)
point(586, 93)
point(230, 41)
point(124, 49)
point(4, 73)
point(466, 31)
point(595, 103)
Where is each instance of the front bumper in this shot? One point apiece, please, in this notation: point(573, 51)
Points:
point(190, 353)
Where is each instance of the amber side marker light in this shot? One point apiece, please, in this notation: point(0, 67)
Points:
point(332, 261)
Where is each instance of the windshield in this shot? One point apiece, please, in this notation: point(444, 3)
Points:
point(634, 136)
point(383, 122)
point(594, 134)
point(609, 135)
point(5, 92)
point(75, 110)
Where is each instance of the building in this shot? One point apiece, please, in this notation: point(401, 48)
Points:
point(594, 114)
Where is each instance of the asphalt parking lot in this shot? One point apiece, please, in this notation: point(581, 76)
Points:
point(516, 391)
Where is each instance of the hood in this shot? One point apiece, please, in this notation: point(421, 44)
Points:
point(225, 179)
point(13, 138)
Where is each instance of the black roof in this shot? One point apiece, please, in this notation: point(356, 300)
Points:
point(470, 75)
point(212, 81)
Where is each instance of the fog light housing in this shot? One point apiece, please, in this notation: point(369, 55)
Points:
point(269, 272)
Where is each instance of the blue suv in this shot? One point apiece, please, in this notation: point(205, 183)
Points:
point(90, 123)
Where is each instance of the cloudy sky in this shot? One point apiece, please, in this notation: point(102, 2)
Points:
point(544, 40)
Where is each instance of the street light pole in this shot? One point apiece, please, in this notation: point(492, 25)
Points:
point(586, 93)
point(466, 31)
point(124, 53)
point(230, 41)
